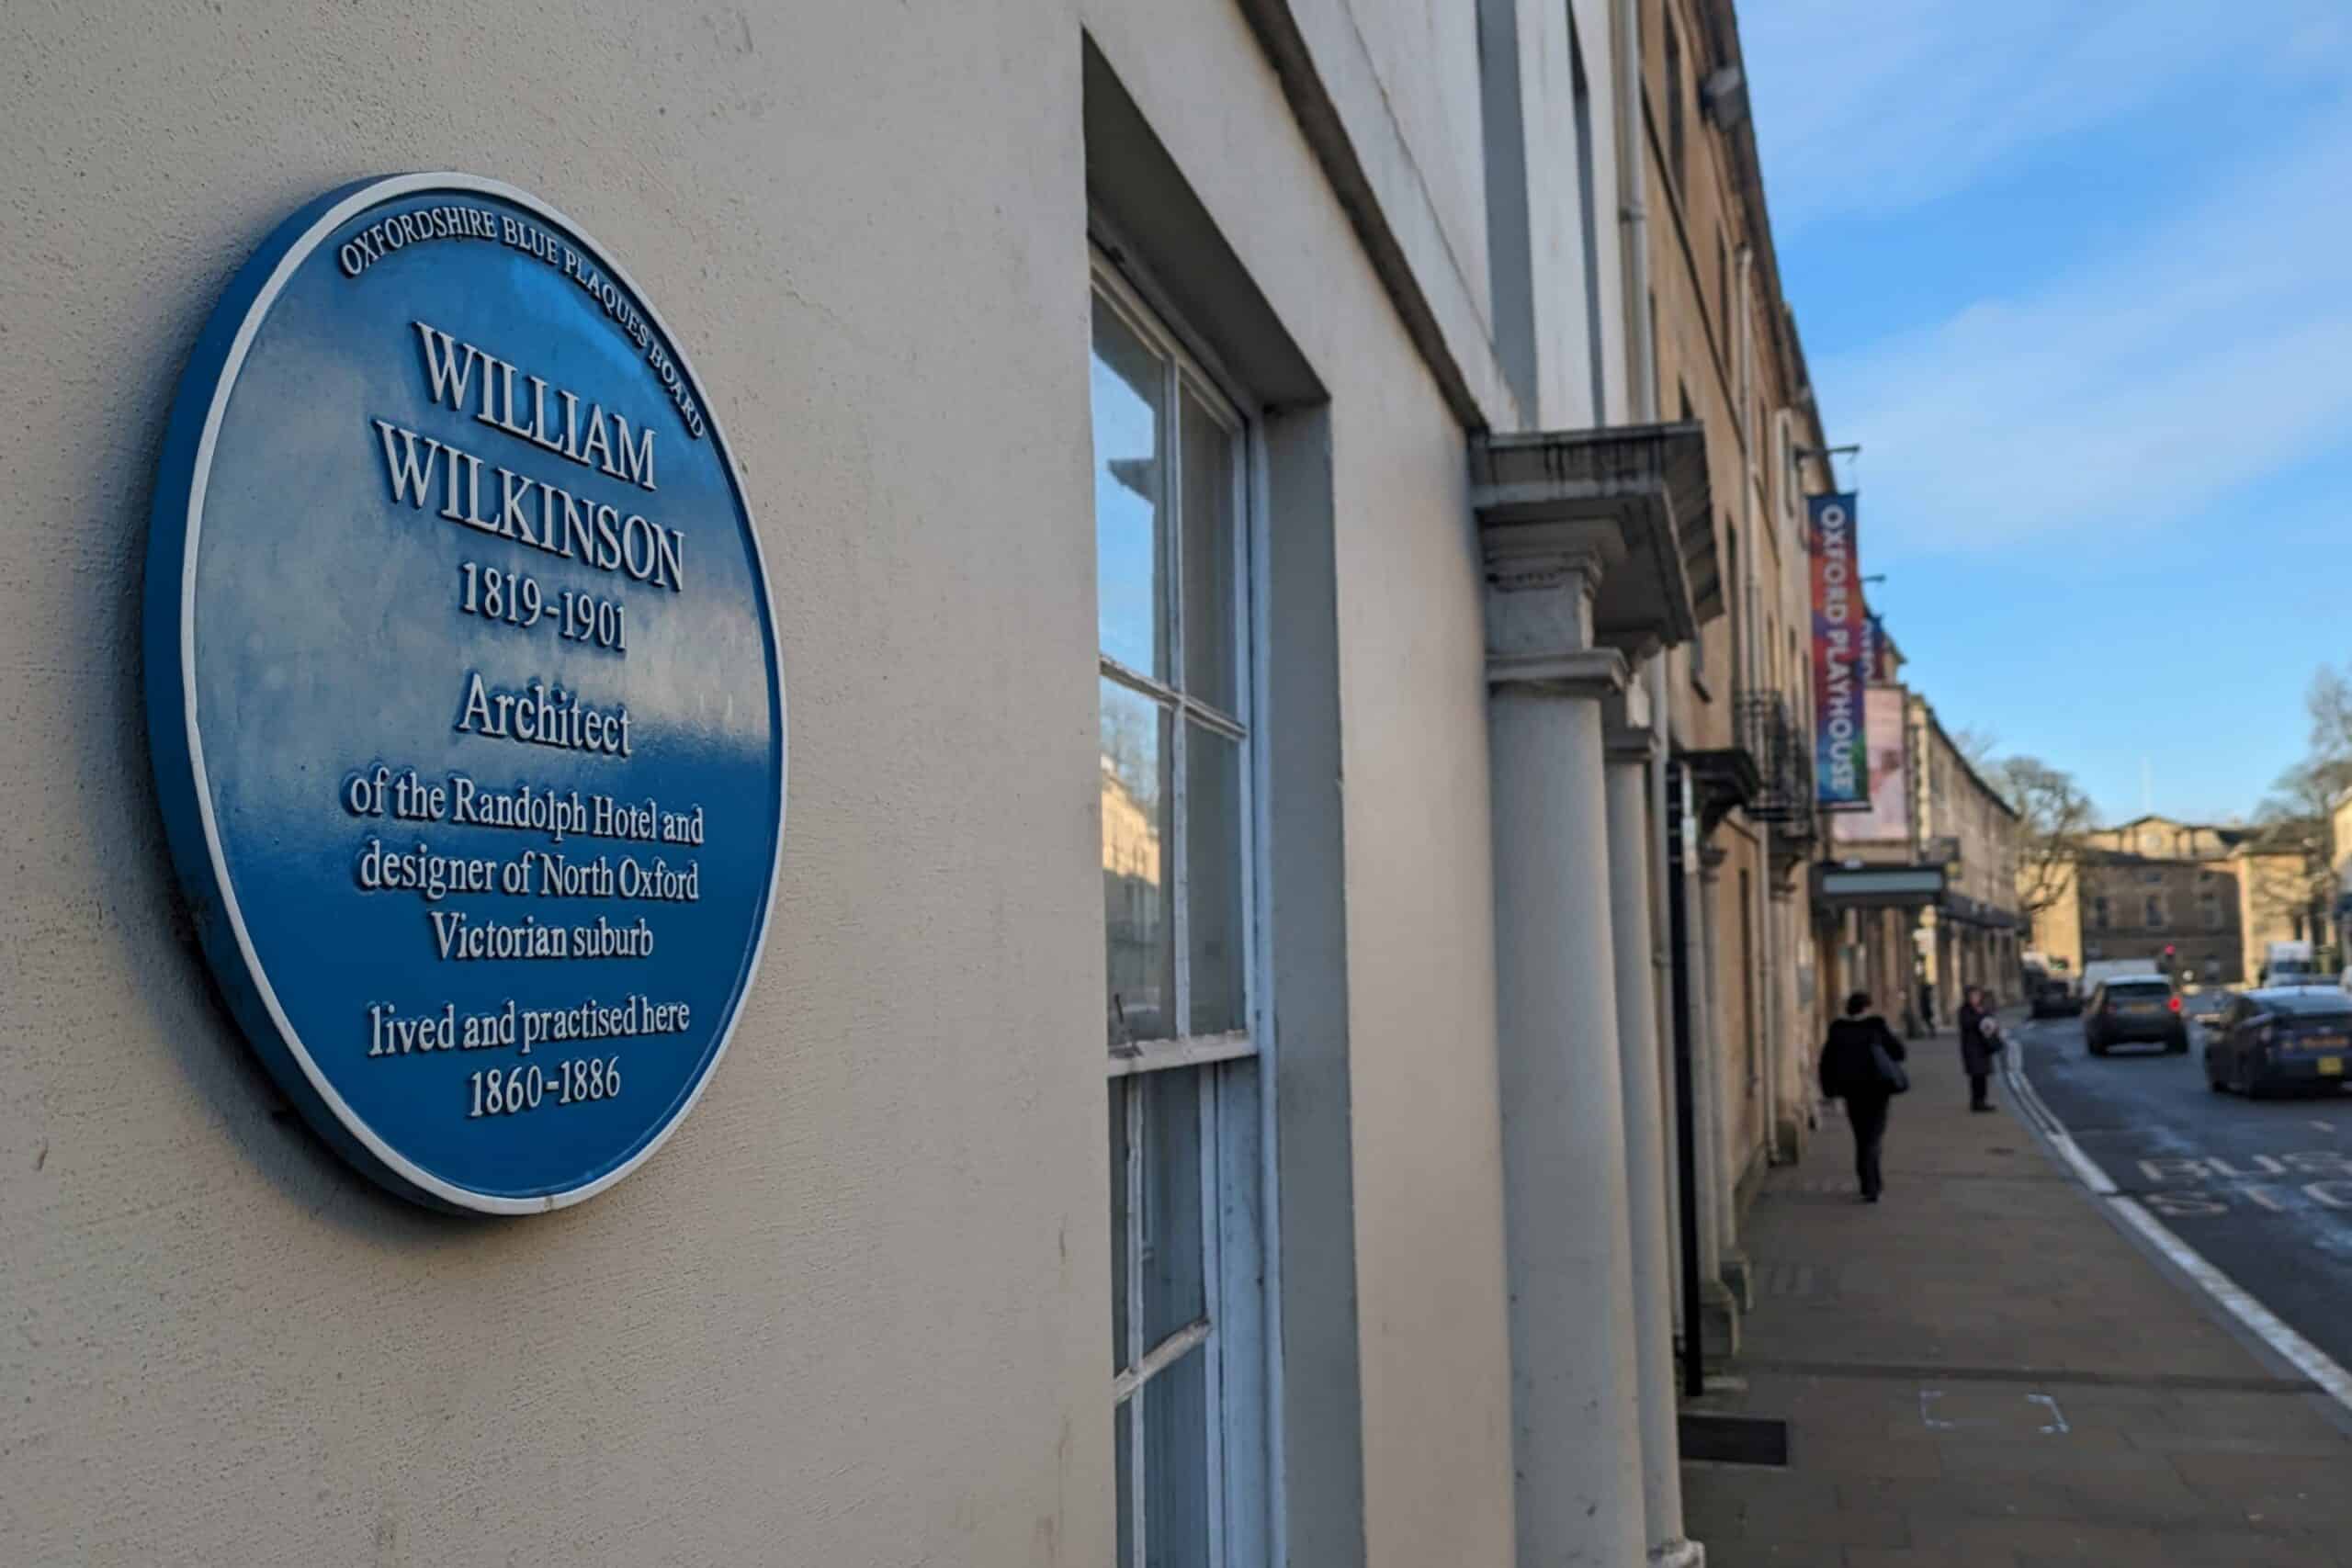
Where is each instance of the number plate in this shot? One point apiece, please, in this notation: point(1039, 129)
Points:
point(2331, 1066)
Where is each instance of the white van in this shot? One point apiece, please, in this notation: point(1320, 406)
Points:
point(2100, 970)
point(2288, 964)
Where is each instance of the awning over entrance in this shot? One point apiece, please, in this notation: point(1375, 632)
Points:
point(1839, 887)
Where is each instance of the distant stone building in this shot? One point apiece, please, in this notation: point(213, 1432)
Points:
point(1970, 936)
point(2201, 899)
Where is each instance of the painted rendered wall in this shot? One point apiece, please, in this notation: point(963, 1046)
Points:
point(1423, 55)
point(855, 1311)
point(1435, 1367)
point(1402, 77)
point(1558, 262)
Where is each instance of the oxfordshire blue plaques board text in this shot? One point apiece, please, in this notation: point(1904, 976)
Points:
point(463, 690)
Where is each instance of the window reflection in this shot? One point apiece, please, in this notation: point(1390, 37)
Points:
point(1127, 383)
point(1213, 867)
point(1136, 900)
point(1211, 456)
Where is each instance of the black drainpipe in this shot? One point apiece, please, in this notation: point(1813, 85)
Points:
point(1678, 825)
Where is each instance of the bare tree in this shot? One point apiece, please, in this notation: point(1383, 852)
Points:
point(2329, 703)
point(2297, 818)
point(2055, 814)
point(1978, 746)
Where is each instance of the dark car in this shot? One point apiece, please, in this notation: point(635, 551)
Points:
point(2052, 996)
point(2278, 1037)
point(2128, 1007)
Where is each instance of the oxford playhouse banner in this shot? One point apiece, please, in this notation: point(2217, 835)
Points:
point(1840, 740)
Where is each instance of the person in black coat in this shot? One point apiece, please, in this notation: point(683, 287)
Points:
point(1980, 1038)
point(1850, 1072)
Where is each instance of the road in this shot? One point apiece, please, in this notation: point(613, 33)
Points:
point(2263, 1189)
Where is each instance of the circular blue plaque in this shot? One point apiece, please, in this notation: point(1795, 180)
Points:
point(463, 692)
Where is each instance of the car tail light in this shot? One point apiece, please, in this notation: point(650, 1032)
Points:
point(2173, 1004)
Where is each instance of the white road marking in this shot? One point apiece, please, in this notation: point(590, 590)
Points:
point(1928, 1396)
point(2057, 1427)
point(2297, 1351)
point(2052, 1131)
point(2300, 1353)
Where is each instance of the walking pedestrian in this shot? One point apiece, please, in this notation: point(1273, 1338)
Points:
point(1859, 1066)
point(1979, 1040)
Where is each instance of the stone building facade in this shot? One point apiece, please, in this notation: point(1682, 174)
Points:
point(1974, 937)
point(2200, 898)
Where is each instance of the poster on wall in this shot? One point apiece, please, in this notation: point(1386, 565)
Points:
point(464, 695)
point(1888, 820)
point(1840, 742)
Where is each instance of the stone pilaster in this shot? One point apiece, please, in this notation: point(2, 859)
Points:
point(1577, 1440)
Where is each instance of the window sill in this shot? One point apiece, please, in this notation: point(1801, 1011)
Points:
point(1158, 1056)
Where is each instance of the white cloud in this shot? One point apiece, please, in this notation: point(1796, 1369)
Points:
point(1875, 106)
point(2205, 353)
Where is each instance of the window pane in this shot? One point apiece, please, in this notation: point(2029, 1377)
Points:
point(1137, 901)
point(1212, 461)
point(1129, 383)
point(1176, 1464)
point(1125, 1468)
point(1121, 1236)
point(1213, 873)
point(1172, 1271)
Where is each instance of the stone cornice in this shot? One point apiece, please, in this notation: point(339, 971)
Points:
point(1628, 727)
point(1597, 672)
point(1632, 498)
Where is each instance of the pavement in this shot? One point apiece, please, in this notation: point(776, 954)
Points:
point(1988, 1370)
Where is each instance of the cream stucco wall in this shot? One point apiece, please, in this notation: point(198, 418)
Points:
point(855, 1311)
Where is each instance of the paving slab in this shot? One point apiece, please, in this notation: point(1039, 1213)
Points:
point(1982, 1369)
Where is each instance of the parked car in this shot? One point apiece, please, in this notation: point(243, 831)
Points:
point(2205, 1006)
point(2282, 1036)
point(2052, 996)
point(2129, 1008)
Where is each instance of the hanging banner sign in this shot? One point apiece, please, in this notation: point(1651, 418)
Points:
point(1888, 820)
point(1878, 662)
point(1841, 742)
point(463, 692)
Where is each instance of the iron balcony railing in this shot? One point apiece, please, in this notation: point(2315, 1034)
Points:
point(1783, 755)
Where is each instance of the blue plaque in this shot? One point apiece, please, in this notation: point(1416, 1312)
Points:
point(463, 692)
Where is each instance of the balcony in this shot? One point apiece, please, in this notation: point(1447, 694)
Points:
point(1763, 724)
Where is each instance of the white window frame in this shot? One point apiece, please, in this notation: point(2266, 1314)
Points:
point(1237, 1332)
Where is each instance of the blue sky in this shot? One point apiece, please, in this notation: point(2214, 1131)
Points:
point(2079, 278)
